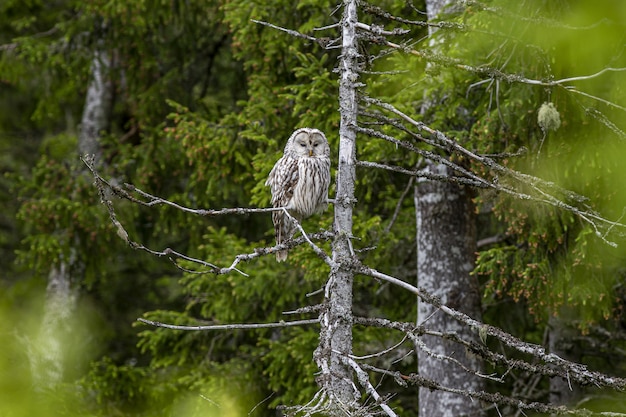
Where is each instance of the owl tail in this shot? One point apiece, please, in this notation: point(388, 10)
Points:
point(284, 229)
point(281, 255)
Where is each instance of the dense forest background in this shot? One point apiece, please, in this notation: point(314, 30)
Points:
point(193, 101)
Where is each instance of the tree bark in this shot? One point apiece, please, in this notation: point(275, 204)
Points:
point(47, 355)
point(336, 321)
point(446, 245)
point(97, 108)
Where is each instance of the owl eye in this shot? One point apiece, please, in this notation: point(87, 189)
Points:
point(315, 144)
point(302, 144)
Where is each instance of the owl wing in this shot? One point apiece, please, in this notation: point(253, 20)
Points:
point(282, 181)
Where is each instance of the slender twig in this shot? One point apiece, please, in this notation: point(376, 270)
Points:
point(245, 326)
point(446, 358)
point(381, 353)
point(578, 372)
point(536, 184)
point(587, 77)
point(172, 254)
point(323, 42)
point(396, 212)
point(601, 100)
point(154, 200)
point(419, 173)
point(368, 8)
point(500, 75)
point(364, 381)
point(319, 252)
point(487, 397)
point(261, 402)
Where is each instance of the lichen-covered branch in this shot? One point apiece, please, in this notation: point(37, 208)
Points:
point(240, 326)
point(563, 368)
point(105, 188)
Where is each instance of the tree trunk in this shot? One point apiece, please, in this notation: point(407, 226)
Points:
point(46, 353)
point(446, 246)
point(97, 108)
point(336, 332)
point(47, 356)
point(446, 243)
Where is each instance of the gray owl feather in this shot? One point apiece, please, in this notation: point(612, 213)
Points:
point(299, 182)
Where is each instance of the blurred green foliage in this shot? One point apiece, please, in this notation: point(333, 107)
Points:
point(204, 102)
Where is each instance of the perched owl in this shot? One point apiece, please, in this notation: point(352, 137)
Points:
point(299, 181)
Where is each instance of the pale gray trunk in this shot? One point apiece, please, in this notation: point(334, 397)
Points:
point(434, 8)
point(446, 242)
point(336, 333)
point(47, 354)
point(97, 108)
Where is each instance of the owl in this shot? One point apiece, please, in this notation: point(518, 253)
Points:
point(299, 182)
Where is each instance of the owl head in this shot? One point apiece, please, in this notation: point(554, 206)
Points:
point(308, 143)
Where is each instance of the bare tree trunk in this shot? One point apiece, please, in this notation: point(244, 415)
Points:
point(47, 354)
point(97, 106)
point(446, 245)
point(336, 333)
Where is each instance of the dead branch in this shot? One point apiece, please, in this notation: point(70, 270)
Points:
point(325, 43)
point(544, 190)
point(153, 200)
point(487, 397)
point(102, 185)
point(364, 381)
point(419, 173)
point(245, 326)
point(566, 369)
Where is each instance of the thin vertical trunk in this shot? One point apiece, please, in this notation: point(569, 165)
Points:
point(446, 246)
point(336, 333)
point(97, 108)
point(47, 354)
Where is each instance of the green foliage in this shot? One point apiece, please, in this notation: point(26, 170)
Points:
point(286, 352)
point(53, 223)
point(205, 101)
point(24, 344)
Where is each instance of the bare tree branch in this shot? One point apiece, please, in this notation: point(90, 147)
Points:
point(319, 252)
point(245, 326)
point(544, 190)
point(396, 212)
point(323, 42)
point(419, 173)
point(487, 397)
point(363, 379)
point(377, 11)
point(172, 254)
point(575, 371)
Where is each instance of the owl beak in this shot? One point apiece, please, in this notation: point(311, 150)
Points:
point(310, 152)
